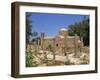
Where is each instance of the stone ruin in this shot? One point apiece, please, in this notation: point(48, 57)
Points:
point(61, 44)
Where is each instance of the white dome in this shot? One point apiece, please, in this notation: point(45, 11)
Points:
point(63, 29)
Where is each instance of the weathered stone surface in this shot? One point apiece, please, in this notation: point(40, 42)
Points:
point(60, 44)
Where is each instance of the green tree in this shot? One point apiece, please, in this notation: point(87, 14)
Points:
point(81, 29)
point(49, 47)
point(28, 27)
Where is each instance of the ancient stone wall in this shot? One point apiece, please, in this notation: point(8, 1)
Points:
point(60, 44)
point(48, 42)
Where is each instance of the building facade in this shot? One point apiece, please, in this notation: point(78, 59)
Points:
point(61, 43)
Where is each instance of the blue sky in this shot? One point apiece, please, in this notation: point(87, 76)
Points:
point(51, 23)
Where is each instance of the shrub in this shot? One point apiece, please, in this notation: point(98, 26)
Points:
point(68, 62)
point(30, 60)
point(84, 60)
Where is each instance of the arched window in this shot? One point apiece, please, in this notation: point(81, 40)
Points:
point(57, 45)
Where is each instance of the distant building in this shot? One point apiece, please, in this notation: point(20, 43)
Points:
point(61, 43)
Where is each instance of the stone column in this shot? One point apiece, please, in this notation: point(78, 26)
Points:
point(66, 49)
point(81, 45)
point(76, 46)
point(42, 40)
point(38, 45)
point(54, 47)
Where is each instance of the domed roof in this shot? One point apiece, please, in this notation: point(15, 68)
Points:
point(61, 36)
point(63, 29)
